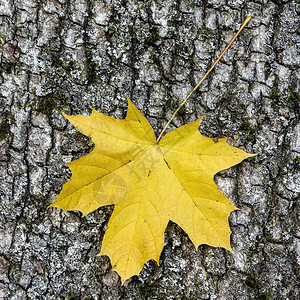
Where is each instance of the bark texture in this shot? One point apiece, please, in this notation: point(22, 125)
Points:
point(73, 55)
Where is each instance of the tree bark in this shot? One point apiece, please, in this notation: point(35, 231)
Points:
point(75, 55)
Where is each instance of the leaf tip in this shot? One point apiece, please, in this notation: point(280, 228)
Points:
point(65, 115)
point(198, 121)
point(51, 205)
point(129, 101)
point(230, 250)
point(130, 108)
point(84, 213)
point(251, 154)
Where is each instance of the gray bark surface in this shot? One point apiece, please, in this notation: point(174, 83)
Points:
point(73, 55)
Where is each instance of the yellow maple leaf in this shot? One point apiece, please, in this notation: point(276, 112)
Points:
point(150, 183)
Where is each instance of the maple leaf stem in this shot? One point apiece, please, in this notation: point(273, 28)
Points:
point(204, 77)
